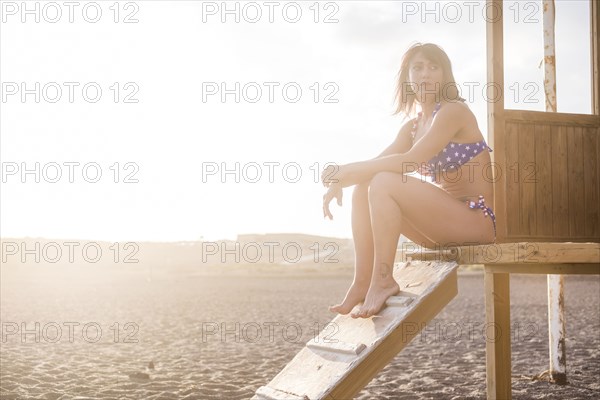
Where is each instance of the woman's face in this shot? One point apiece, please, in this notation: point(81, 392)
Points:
point(426, 75)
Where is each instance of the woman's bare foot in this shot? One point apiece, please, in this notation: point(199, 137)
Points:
point(356, 293)
point(378, 293)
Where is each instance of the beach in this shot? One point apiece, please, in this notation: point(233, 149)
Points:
point(217, 333)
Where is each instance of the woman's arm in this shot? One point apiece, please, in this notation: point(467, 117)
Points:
point(447, 123)
point(401, 144)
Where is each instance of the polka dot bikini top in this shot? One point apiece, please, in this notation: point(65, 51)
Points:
point(450, 157)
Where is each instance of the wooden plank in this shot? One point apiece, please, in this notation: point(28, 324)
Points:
point(527, 167)
point(337, 346)
point(537, 117)
point(550, 239)
point(544, 171)
point(495, 110)
point(513, 180)
point(595, 55)
point(591, 182)
point(399, 301)
point(530, 253)
point(396, 341)
point(411, 250)
point(267, 393)
point(545, 269)
point(575, 178)
point(319, 371)
point(560, 184)
point(512, 253)
point(497, 348)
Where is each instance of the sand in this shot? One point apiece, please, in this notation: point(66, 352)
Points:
point(213, 335)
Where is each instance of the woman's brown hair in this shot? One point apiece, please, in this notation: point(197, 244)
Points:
point(405, 96)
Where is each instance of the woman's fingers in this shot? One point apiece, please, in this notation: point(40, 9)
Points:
point(327, 213)
point(339, 195)
point(336, 192)
point(326, 200)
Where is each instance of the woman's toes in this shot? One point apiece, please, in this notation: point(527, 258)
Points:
point(337, 308)
point(356, 294)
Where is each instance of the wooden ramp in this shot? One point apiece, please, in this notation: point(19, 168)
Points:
point(349, 352)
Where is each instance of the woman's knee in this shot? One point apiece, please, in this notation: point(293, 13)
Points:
point(360, 192)
point(382, 184)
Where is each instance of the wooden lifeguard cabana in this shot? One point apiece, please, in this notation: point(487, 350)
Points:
point(546, 201)
point(547, 224)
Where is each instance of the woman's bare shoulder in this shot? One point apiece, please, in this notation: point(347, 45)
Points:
point(459, 108)
point(459, 111)
point(470, 128)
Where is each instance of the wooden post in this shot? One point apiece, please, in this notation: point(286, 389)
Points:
point(595, 52)
point(495, 110)
point(556, 329)
point(549, 56)
point(556, 320)
point(497, 346)
point(497, 294)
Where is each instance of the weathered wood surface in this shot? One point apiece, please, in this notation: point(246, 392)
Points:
point(557, 334)
point(535, 117)
point(497, 344)
point(547, 184)
point(595, 54)
point(560, 269)
point(524, 253)
point(349, 352)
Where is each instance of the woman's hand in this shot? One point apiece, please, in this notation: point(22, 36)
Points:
point(334, 191)
point(335, 174)
point(327, 176)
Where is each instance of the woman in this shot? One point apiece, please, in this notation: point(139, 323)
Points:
point(446, 144)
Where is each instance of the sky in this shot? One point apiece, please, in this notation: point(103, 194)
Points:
point(172, 120)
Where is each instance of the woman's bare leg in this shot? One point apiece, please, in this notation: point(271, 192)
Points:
point(395, 199)
point(362, 234)
point(386, 222)
point(363, 250)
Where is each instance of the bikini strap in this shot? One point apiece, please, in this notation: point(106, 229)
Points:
point(438, 105)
